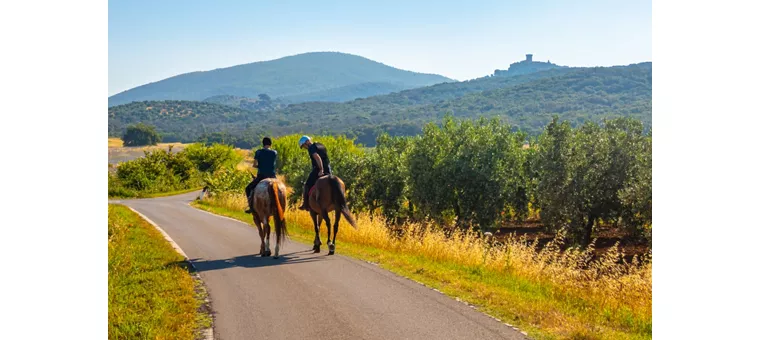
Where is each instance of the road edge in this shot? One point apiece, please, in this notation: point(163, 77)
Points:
point(208, 333)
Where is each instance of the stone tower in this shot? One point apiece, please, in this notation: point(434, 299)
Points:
point(529, 58)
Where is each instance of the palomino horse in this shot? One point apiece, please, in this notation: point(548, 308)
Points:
point(328, 194)
point(268, 200)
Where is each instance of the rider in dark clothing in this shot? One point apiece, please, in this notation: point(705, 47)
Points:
point(264, 160)
point(320, 166)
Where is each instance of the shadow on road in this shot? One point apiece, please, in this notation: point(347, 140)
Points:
point(254, 261)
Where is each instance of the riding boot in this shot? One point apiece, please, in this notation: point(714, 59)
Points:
point(248, 192)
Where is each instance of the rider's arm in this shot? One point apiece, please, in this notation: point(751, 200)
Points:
point(319, 162)
point(256, 159)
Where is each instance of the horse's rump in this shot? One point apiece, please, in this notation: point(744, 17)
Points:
point(264, 200)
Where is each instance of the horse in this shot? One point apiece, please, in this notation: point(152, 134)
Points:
point(328, 194)
point(268, 200)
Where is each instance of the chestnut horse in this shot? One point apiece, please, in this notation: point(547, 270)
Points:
point(268, 200)
point(328, 194)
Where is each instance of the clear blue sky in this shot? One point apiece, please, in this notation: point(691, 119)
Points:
point(153, 40)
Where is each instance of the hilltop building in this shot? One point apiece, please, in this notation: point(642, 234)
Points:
point(525, 66)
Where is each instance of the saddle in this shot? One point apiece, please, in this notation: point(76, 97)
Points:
point(315, 184)
point(312, 190)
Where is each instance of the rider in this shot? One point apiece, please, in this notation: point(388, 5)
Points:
point(264, 160)
point(320, 166)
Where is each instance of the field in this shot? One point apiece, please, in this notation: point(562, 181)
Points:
point(548, 292)
point(151, 294)
point(117, 152)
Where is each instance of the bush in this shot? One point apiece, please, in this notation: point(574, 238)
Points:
point(163, 171)
point(226, 181)
point(587, 175)
point(141, 134)
point(473, 170)
point(212, 158)
point(294, 163)
point(385, 178)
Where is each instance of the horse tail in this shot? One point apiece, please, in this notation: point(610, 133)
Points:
point(339, 196)
point(280, 228)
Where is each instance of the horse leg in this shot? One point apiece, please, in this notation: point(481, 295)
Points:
point(267, 230)
point(257, 221)
point(317, 221)
point(326, 217)
point(335, 232)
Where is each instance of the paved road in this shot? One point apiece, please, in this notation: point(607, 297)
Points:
point(303, 295)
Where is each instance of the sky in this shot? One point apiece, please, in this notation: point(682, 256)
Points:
point(152, 40)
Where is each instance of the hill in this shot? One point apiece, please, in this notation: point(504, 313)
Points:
point(526, 101)
point(261, 103)
point(348, 92)
point(297, 75)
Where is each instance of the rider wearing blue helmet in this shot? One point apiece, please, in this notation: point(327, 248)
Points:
point(320, 165)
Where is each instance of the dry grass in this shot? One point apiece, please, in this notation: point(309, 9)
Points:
point(553, 293)
point(117, 154)
point(115, 142)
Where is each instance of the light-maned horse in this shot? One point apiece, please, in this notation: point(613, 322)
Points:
point(328, 194)
point(268, 200)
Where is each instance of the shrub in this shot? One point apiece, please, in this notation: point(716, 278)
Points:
point(294, 163)
point(141, 134)
point(212, 158)
point(585, 175)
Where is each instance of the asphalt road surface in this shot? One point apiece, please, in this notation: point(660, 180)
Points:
point(303, 295)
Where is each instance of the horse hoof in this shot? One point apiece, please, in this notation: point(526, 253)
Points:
point(276, 257)
point(316, 249)
point(267, 253)
point(331, 252)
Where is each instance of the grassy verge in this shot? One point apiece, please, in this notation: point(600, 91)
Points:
point(151, 294)
point(542, 292)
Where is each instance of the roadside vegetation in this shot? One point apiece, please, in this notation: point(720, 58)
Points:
point(550, 293)
point(161, 172)
point(483, 175)
point(151, 294)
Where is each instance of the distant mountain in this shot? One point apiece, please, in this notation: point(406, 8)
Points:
point(526, 101)
point(320, 74)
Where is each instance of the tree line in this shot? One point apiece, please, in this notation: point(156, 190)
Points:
point(485, 174)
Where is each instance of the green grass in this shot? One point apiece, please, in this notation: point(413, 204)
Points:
point(536, 307)
point(151, 294)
